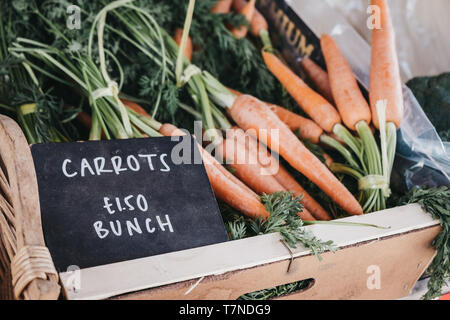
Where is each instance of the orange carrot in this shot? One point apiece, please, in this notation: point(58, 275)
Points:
point(319, 109)
point(224, 188)
point(139, 110)
point(308, 129)
point(222, 6)
point(350, 102)
point(135, 107)
point(248, 12)
point(247, 168)
point(318, 77)
point(250, 113)
point(206, 156)
point(167, 129)
point(258, 22)
point(328, 160)
point(283, 177)
point(85, 119)
point(189, 46)
point(385, 81)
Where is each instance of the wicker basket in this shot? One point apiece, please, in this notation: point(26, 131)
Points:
point(26, 268)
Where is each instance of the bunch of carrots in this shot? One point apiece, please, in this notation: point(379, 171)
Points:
point(256, 131)
point(342, 118)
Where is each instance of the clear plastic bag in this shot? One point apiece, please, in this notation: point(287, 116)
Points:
point(418, 141)
point(421, 28)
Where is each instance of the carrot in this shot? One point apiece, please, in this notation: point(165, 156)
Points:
point(248, 12)
point(222, 6)
point(135, 107)
point(247, 168)
point(168, 129)
point(258, 22)
point(226, 189)
point(328, 160)
point(350, 102)
point(319, 109)
point(385, 81)
point(139, 110)
point(282, 176)
point(318, 77)
point(308, 129)
point(85, 119)
point(250, 113)
point(189, 46)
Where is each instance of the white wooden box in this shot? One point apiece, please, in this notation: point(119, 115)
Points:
point(398, 256)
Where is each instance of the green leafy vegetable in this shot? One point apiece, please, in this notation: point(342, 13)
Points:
point(433, 94)
point(278, 291)
point(283, 209)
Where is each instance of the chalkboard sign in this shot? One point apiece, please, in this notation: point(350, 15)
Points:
point(110, 201)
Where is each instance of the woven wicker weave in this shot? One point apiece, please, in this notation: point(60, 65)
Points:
point(24, 260)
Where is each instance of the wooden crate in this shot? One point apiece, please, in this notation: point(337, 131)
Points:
point(399, 255)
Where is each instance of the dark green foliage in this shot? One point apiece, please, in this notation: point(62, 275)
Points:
point(283, 209)
point(433, 94)
point(278, 291)
point(50, 121)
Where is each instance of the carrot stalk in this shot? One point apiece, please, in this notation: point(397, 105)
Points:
point(248, 12)
point(189, 46)
point(317, 107)
point(318, 77)
point(250, 113)
point(180, 62)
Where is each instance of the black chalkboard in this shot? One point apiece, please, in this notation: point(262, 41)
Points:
point(110, 201)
